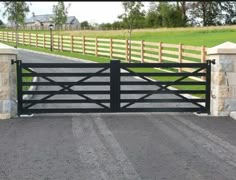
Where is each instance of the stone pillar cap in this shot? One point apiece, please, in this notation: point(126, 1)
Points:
point(225, 48)
point(5, 49)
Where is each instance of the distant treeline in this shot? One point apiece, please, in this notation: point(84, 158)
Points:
point(177, 14)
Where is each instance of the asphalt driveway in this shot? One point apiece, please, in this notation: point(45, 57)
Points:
point(148, 146)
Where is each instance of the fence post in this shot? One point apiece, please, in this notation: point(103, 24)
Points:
point(7, 36)
point(61, 42)
point(180, 56)
point(83, 41)
point(115, 85)
point(142, 51)
point(29, 38)
point(96, 46)
point(110, 47)
point(23, 37)
point(126, 50)
point(72, 43)
point(203, 59)
point(36, 39)
point(203, 54)
point(53, 42)
point(43, 40)
point(12, 36)
point(160, 52)
point(3, 36)
point(58, 42)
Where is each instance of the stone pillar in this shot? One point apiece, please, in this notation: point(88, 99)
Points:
point(223, 79)
point(8, 103)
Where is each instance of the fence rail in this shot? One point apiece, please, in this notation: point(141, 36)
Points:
point(142, 51)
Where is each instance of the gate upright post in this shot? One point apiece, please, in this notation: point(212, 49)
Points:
point(19, 86)
point(208, 86)
point(115, 85)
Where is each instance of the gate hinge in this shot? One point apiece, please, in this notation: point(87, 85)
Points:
point(14, 61)
point(212, 61)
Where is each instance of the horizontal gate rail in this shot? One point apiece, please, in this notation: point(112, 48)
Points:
point(65, 83)
point(163, 65)
point(162, 83)
point(108, 74)
point(108, 83)
point(163, 100)
point(67, 101)
point(163, 92)
point(169, 109)
point(63, 74)
point(65, 65)
point(164, 74)
point(65, 92)
point(71, 110)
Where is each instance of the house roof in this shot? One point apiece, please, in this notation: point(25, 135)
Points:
point(47, 18)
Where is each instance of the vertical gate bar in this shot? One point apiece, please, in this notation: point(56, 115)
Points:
point(208, 86)
point(19, 87)
point(115, 85)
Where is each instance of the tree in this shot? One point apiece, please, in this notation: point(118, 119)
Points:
point(84, 24)
point(183, 7)
point(16, 12)
point(60, 17)
point(229, 12)
point(118, 25)
point(132, 17)
point(152, 16)
point(60, 12)
point(1, 23)
point(208, 11)
point(165, 14)
point(106, 26)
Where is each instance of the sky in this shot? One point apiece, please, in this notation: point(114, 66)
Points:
point(93, 12)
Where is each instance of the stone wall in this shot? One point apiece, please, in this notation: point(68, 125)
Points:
point(8, 86)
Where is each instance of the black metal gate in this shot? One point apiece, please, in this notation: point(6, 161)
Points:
point(113, 87)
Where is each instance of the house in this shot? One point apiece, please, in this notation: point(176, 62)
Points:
point(43, 22)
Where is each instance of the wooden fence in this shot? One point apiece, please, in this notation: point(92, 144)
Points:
point(141, 51)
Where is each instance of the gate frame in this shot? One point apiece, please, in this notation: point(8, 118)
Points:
point(115, 82)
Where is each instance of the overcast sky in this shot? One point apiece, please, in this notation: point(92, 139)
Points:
point(99, 12)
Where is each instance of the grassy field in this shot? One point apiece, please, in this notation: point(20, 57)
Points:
point(198, 36)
